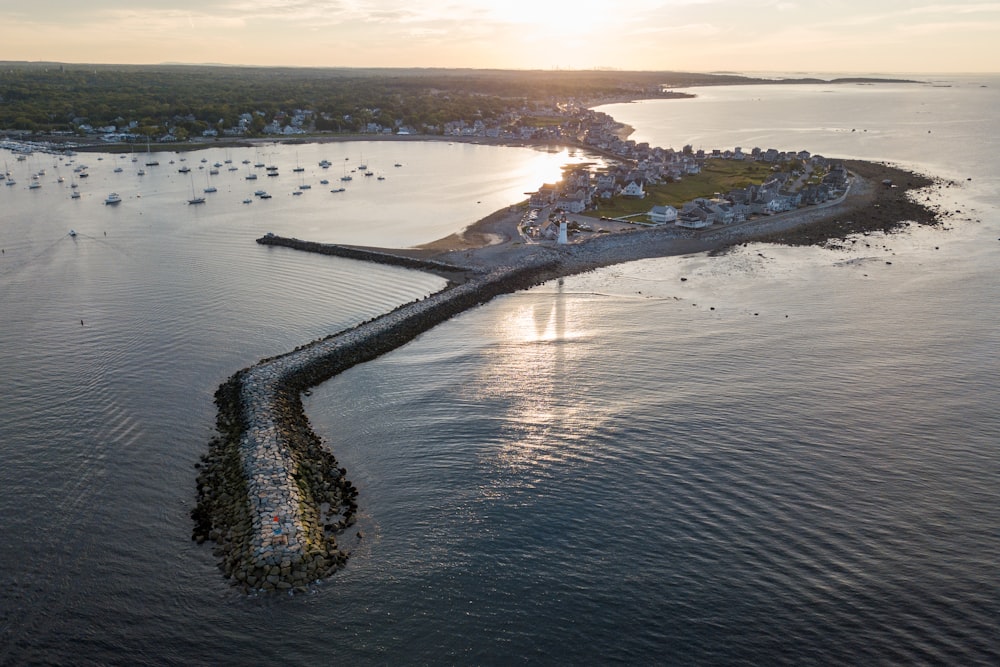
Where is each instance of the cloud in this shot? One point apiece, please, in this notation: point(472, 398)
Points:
point(971, 8)
point(649, 34)
point(954, 27)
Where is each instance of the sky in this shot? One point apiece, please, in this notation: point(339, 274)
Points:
point(812, 36)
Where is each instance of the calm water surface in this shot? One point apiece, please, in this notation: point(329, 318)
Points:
point(790, 457)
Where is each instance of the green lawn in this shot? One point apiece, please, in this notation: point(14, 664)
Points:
point(716, 176)
point(542, 121)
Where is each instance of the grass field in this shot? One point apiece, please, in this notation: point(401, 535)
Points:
point(716, 176)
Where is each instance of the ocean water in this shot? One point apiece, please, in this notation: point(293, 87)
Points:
point(791, 457)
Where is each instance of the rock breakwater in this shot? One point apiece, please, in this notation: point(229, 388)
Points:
point(444, 269)
point(270, 494)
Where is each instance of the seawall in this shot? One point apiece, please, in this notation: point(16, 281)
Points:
point(270, 495)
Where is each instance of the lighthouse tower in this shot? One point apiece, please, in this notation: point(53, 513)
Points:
point(563, 240)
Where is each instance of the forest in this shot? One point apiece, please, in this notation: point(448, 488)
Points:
point(47, 97)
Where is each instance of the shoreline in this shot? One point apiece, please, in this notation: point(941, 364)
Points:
point(868, 207)
point(271, 495)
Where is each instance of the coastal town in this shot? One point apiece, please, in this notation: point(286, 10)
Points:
point(628, 171)
point(637, 170)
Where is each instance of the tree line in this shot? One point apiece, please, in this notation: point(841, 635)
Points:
point(46, 97)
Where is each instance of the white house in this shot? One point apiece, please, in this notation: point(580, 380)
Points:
point(573, 203)
point(634, 190)
point(693, 222)
point(662, 215)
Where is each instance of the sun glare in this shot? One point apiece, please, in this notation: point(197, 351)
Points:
point(555, 17)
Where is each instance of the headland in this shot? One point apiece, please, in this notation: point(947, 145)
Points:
point(272, 496)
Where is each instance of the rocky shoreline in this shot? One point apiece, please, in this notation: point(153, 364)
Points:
point(272, 496)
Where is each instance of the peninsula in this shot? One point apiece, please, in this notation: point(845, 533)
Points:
point(273, 498)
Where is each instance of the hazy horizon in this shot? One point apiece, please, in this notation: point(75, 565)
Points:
point(749, 36)
point(829, 74)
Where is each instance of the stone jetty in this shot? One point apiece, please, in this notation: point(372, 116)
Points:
point(270, 495)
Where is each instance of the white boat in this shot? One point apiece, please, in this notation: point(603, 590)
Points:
point(251, 176)
point(247, 201)
point(338, 190)
point(118, 170)
point(150, 162)
point(195, 199)
point(305, 186)
point(75, 195)
point(325, 164)
point(185, 169)
point(211, 188)
point(112, 199)
point(141, 172)
point(72, 232)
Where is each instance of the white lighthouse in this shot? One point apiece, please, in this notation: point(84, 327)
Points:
point(563, 240)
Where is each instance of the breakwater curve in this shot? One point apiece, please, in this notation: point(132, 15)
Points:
point(270, 495)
